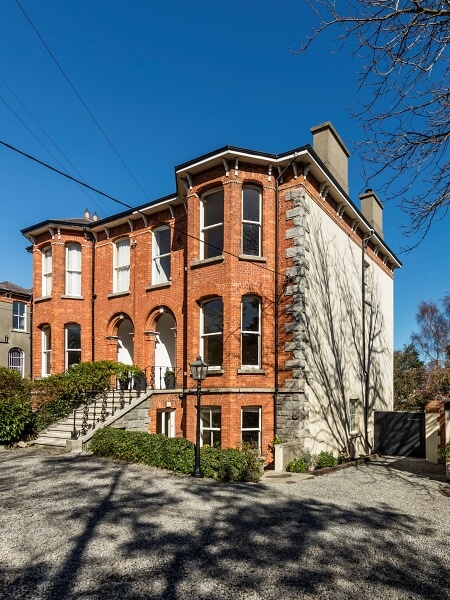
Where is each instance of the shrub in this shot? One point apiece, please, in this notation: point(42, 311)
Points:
point(176, 454)
point(301, 464)
point(15, 406)
point(57, 395)
point(444, 452)
point(326, 459)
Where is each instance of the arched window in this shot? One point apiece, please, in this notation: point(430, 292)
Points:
point(212, 224)
point(212, 332)
point(16, 360)
point(251, 221)
point(251, 332)
point(73, 270)
point(73, 344)
point(121, 266)
point(47, 272)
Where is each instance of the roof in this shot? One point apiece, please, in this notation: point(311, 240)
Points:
point(7, 286)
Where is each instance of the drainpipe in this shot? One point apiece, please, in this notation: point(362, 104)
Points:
point(93, 297)
point(276, 295)
point(364, 244)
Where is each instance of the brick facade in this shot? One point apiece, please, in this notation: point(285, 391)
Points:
point(153, 321)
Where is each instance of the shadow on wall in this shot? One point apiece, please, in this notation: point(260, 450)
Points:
point(335, 357)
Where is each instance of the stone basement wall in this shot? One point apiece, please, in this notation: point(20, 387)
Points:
point(292, 405)
point(136, 419)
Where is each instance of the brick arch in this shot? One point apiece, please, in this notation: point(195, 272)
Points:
point(209, 187)
point(155, 313)
point(249, 182)
point(114, 321)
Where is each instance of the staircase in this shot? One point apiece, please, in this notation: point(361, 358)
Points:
point(103, 410)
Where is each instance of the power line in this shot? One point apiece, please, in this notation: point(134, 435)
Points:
point(48, 136)
point(81, 99)
point(172, 227)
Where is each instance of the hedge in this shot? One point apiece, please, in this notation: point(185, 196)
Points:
point(177, 454)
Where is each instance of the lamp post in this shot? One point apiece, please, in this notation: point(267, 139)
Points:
point(199, 369)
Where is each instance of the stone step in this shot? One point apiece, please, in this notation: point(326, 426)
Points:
point(44, 441)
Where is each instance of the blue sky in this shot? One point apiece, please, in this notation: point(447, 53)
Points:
point(167, 82)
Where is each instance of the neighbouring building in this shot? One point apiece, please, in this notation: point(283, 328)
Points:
point(260, 263)
point(15, 327)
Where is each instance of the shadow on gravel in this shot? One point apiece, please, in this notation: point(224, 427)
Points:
point(417, 467)
point(200, 539)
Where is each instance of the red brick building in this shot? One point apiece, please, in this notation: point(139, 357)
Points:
point(230, 267)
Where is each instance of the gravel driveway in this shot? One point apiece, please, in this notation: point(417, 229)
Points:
point(85, 528)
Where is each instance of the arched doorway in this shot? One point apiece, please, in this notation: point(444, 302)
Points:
point(165, 352)
point(125, 343)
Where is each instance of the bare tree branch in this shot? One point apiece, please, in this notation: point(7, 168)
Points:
point(403, 49)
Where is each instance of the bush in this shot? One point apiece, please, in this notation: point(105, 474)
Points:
point(444, 452)
point(301, 464)
point(57, 395)
point(326, 459)
point(176, 454)
point(15, 406)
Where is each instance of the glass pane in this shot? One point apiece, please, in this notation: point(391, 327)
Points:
point(251, 437)
point(162, 240)
point(250, 208)
point(250, 239)
point(123, 253)
point(159, 422)
point(215, 418)
point(250, 313)
point(213, 209)
point(73, 357)
point(213, 316)
point(216, 439)
point(250, 419)
point(73, 337)
point(164, 269)
point(205, 417)
point(250, 349)
point(213, 350)
point(213, 242)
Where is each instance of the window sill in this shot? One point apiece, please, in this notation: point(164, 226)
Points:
point(19, 331)
point(249, 371)
point(207, 261)
point(355, 434)
point(158, 286)
point(42, 299)
point(119, 294)
point(250, 257)
point(214, 372)
point(67, 297)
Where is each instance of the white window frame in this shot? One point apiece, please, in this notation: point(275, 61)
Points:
point(121, 276)
point(47, 271)
point(204, 229)
point(210, 429)
point(66, 344)
point(167, 427)
point(258, 223)
point(73, 269)
point(17, 315)
point(46, 351)
point(16, 360)
point(204, 335)
point(255, 333)
point(158, 274)
point(353, 420)
point(253, 409)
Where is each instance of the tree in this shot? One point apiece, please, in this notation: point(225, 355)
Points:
point(433, 338)
point(409, 378)
point(403, 48)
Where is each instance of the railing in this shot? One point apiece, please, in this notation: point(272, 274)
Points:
point(98, 406)
point(163, 378)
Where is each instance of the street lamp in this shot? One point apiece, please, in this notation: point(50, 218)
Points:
point(199, 369)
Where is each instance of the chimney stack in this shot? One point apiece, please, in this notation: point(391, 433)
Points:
point(372, 210)
point(332, 151)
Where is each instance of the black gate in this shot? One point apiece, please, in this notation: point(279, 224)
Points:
point(400, 433)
